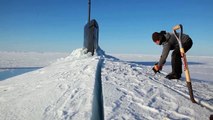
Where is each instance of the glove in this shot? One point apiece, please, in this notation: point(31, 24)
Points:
point(156, 68)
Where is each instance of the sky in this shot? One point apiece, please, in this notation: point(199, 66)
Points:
point(125, 26)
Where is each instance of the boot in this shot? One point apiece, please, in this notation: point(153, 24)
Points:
point(173, 76)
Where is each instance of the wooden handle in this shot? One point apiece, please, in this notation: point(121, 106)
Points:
point(176, 27)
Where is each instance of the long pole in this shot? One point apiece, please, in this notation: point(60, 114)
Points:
point(89, 9)
point(183, 56)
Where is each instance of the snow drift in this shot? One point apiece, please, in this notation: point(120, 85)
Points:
point(83, 87)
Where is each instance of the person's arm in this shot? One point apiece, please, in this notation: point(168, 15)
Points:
point(164, 55)
point(158, 66)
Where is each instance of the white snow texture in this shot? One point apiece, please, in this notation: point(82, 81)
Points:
point(84, 87)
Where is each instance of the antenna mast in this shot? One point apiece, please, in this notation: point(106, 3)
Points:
point(89, 3)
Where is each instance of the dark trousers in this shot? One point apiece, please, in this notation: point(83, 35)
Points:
point(176, 57)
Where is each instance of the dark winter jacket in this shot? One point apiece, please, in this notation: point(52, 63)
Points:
point(171, 43)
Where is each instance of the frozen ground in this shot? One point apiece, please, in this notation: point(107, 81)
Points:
point(81, 86)
point(28, 59)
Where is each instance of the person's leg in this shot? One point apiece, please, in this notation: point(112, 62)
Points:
point(187, 45)
point(176, 65)
point(176, 62)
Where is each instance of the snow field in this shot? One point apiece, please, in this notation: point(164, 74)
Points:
point(63, 90)
point(28, 59)
point(140, 97)
point(83, 87)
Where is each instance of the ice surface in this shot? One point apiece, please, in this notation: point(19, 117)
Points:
point(65, 89)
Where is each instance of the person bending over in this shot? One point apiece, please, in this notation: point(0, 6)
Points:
point(170, 43)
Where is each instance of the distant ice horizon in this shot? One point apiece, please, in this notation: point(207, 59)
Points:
point(41, 59)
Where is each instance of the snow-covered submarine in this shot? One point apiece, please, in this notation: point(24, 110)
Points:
point(91, 33)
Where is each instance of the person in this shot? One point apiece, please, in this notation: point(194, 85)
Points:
point(169, 43)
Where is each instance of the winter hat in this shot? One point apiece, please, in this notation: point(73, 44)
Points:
point(155, 36)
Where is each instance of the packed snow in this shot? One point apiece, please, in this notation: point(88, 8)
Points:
point(83, 87)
